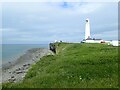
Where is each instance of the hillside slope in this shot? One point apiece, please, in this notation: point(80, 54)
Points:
point(74, 66)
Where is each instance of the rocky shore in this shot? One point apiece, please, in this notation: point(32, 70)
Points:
point(15, 71)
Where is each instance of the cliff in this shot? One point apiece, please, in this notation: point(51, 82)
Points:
point(74, 66)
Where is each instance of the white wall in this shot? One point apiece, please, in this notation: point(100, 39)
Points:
point(93, 41)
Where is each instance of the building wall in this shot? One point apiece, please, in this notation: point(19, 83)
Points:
point(93, 41)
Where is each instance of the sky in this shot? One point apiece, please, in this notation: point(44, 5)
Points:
point(45, 22)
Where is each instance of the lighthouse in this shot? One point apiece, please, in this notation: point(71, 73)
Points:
point(88, 38)
point(87, 29)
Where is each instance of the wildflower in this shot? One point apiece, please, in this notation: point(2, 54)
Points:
point(80, 77)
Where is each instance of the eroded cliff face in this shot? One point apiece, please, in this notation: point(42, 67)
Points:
point(52, 47)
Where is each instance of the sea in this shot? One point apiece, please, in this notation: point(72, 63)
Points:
point(11, 52)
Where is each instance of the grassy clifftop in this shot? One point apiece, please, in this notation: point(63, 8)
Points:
point(74, 65)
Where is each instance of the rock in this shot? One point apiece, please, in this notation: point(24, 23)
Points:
point(23, 71)
point(12, 80)
point(28, 64)
point(13, 72)
point(36, 56)
point(18, 69)
point(18, 72)
point(23, 76)
point(12, 76)
point(24, 65)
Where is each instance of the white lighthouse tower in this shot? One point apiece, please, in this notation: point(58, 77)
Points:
point(87, 29)
point(88, 38)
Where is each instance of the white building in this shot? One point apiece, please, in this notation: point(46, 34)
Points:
point(114, 43)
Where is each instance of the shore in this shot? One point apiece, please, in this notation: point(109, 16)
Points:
point(15, 71)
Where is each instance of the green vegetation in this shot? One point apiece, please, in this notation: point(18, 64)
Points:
point(74, 66)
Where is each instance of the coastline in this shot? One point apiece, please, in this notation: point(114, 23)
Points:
point(15, 71)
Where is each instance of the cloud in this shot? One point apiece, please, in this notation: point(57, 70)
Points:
point(107, 35)
point(90, 7)
point(47, 21)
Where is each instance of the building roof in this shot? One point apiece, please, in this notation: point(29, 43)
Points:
point(89, 39)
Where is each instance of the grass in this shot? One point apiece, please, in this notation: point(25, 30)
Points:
point(74, 66)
